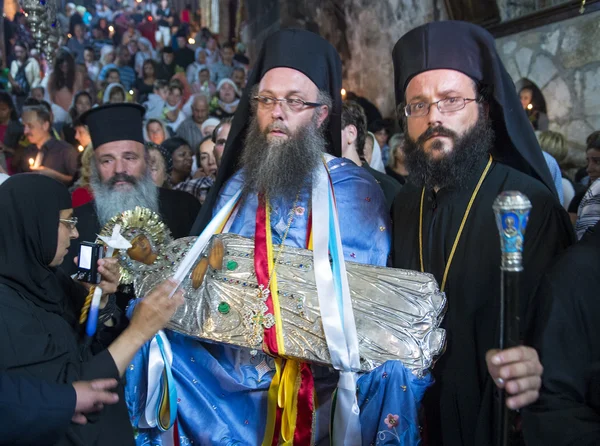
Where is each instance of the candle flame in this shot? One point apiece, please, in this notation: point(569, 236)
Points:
point(31, 161)
point(111, 28)
point(80, 148)
point(191, 41)
point(343, 92)
point(529, 107)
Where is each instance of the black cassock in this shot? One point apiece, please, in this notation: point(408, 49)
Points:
point(567, 337)
point(39, 344)
point(459, 405)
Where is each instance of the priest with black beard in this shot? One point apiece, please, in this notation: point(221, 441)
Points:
point(467, 140)
point(121, 178)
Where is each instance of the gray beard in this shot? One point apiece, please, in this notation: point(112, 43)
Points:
point(110, 202)
point(281, 169)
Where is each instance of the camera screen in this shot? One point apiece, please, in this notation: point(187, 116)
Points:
point(85, 257)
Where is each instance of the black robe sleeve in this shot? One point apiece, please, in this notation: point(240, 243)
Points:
point(42, 345)
point(33, 411)
point(566, 335)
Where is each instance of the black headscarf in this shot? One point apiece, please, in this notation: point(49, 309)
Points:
point(471, 50)
point(290, 48)
point(31, 206)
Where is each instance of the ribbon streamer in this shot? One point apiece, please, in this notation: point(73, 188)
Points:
point(336, 314)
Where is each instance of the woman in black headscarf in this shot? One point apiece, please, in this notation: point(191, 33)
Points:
point(39, 305)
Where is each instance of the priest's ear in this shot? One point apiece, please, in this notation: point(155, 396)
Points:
point(324, 109)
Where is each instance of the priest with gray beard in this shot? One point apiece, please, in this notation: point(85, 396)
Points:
point(286, 127)
point(121, 179)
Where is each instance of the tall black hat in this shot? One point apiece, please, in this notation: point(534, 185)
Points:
point(115, 122)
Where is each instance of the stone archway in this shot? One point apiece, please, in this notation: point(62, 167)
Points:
point(563, 61)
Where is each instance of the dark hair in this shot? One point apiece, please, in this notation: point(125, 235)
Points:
point(217, 129)
point(58, 79)
point(39, 87)
point(6, 98)
point(77, 122)
point(149, 62)
point(376, 125)
point(41, 112)
point(73, 109)
point(174, 143)
point(160, 83)
point(89, 48)
point(537, 98)
point(175, 86)
point(228, 45)
point(593, 140)
point(112, 70)
point(239, 69)
point(22, 45)
point(33, 102)
point(354, 114)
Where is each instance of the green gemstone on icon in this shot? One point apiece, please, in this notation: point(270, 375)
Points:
point(223, 308)
point(232, 265)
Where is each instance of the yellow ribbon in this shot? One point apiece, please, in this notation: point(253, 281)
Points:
point(273, 287)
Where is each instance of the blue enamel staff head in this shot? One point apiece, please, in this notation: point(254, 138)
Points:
point(512, 214)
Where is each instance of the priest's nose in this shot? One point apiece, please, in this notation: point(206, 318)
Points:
point(434, 116)
point(278, 112)
point(119, 166)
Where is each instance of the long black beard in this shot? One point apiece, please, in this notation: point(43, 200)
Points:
point(110, 201)
point(455, 168)
point(281, 169)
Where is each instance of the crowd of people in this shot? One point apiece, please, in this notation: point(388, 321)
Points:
point(109, 55)
point(143, 107)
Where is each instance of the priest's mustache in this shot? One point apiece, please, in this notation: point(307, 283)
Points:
point(277, 126)
point(122, 177)
point(436, 131)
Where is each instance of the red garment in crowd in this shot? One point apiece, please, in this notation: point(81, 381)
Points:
point(81, 196)
point(148, 30)
point(185, 16)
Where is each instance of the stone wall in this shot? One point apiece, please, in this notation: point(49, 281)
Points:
point(563, 60)
point(364, 33)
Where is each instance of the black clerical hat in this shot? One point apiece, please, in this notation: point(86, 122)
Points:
point(115, 122)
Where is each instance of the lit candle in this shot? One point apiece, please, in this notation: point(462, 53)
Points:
point(529, 106)
point(31, 161)
point(111, 28)
point(131, 92)
point(80, 148)
point(343, 93)
point(191, 41)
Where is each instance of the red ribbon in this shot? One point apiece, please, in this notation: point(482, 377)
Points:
point(306, 406)
point(261, 267)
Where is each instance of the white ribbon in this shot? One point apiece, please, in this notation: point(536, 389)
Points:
point(338, 322)
point(156, 366)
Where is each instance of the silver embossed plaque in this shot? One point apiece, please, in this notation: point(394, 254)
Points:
point(397, 312)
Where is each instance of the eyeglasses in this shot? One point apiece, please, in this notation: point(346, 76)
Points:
point(447, 105)
point(71, 223)
point(268, 102)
